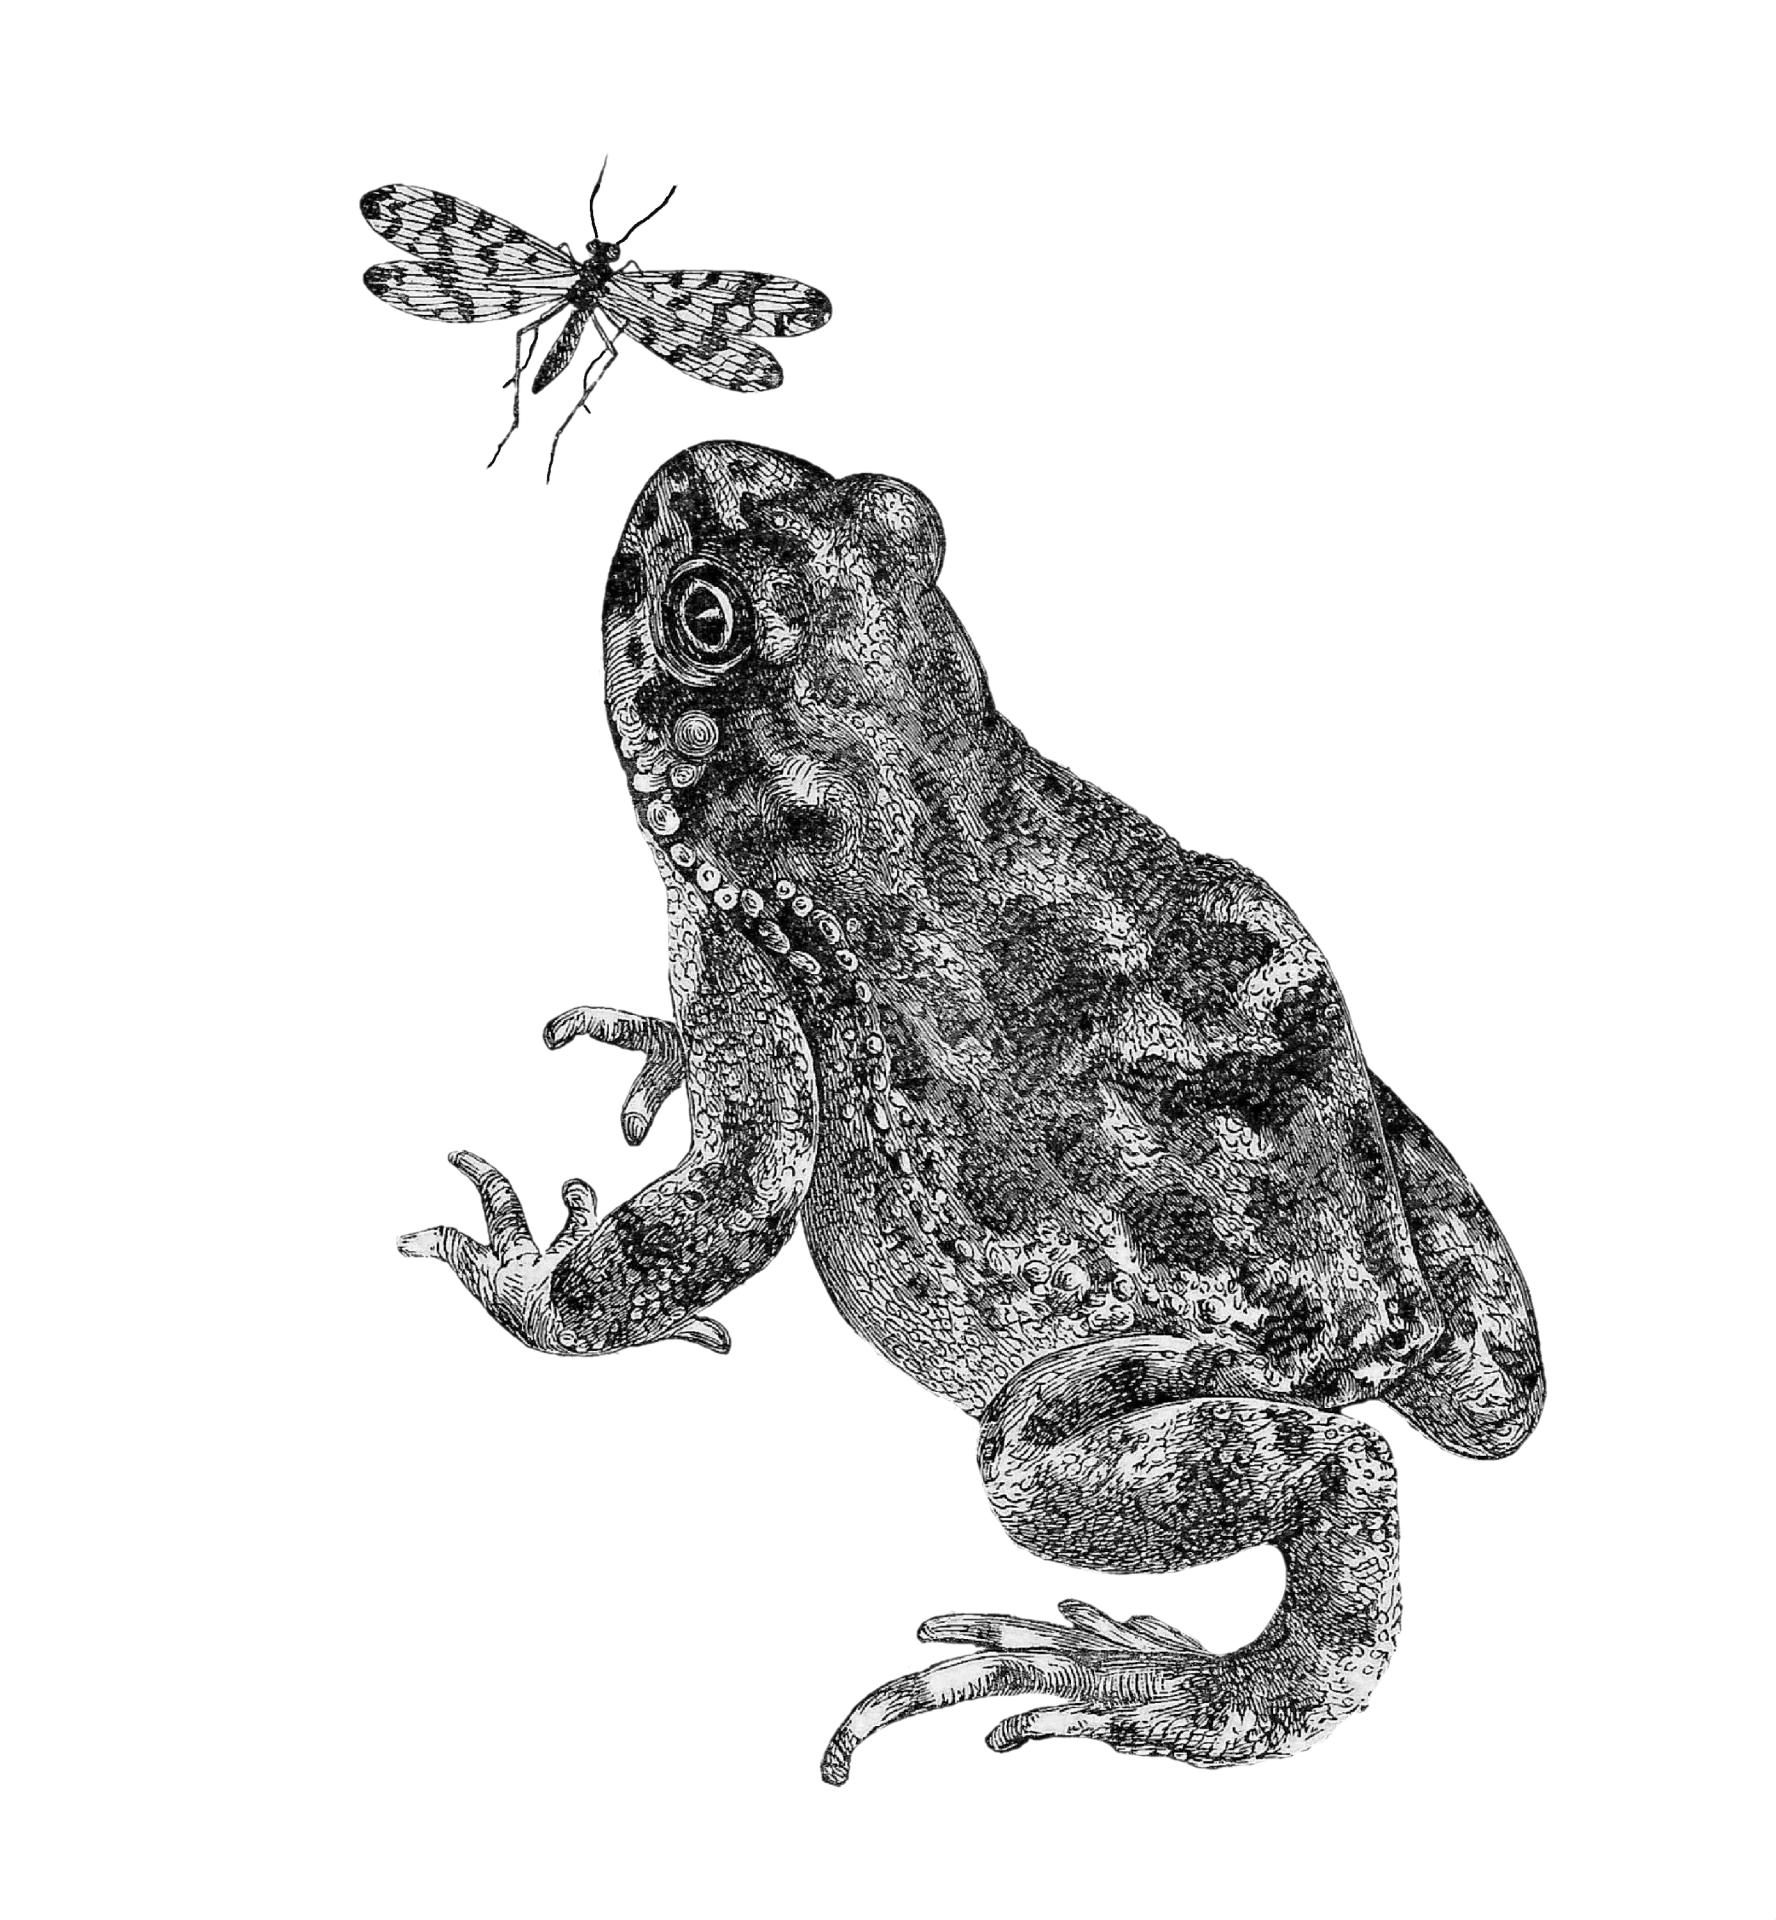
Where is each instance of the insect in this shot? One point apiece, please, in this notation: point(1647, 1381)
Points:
point(469, 265)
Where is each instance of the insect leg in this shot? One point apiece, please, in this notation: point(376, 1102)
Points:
point(523, 351)
point(599, 366)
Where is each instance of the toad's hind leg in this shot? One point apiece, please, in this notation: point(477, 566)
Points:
point(1479, 1391)
point(1146, 1454)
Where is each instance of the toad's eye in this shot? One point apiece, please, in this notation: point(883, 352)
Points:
point(708, 623)
point(705, 618)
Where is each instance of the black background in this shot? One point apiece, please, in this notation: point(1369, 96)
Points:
point(1260, 461)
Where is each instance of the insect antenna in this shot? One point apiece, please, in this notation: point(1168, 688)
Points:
point(646, 217)
point(592, 204)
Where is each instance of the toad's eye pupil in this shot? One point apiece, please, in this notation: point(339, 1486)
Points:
point(707, 617)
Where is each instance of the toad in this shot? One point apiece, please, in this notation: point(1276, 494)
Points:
point(1074, 1122)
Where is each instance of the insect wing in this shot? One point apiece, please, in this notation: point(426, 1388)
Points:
point(469, 264)
point(439, 228)
point(703, 321)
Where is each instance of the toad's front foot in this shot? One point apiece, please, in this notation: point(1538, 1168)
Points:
point(512, 1277)
point(509, 1274)
point(1138, 1685)
point(658, 1041)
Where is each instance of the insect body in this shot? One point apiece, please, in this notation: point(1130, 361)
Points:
point(469, 265)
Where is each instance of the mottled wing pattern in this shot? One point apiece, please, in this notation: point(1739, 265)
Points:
point(469, 264)
point(703, 320)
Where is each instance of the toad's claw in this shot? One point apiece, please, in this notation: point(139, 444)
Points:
point(1106, 1671)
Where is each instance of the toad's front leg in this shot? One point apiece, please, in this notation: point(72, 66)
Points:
point(646, 1270)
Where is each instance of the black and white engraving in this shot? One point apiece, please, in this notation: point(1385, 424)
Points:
point(469, 265)
point(1074, 1120)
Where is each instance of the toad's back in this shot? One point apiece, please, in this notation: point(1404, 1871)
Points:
point(1121, 1094)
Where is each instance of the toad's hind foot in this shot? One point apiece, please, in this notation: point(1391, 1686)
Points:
point(1111, 1674)
point(1138, 1685)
